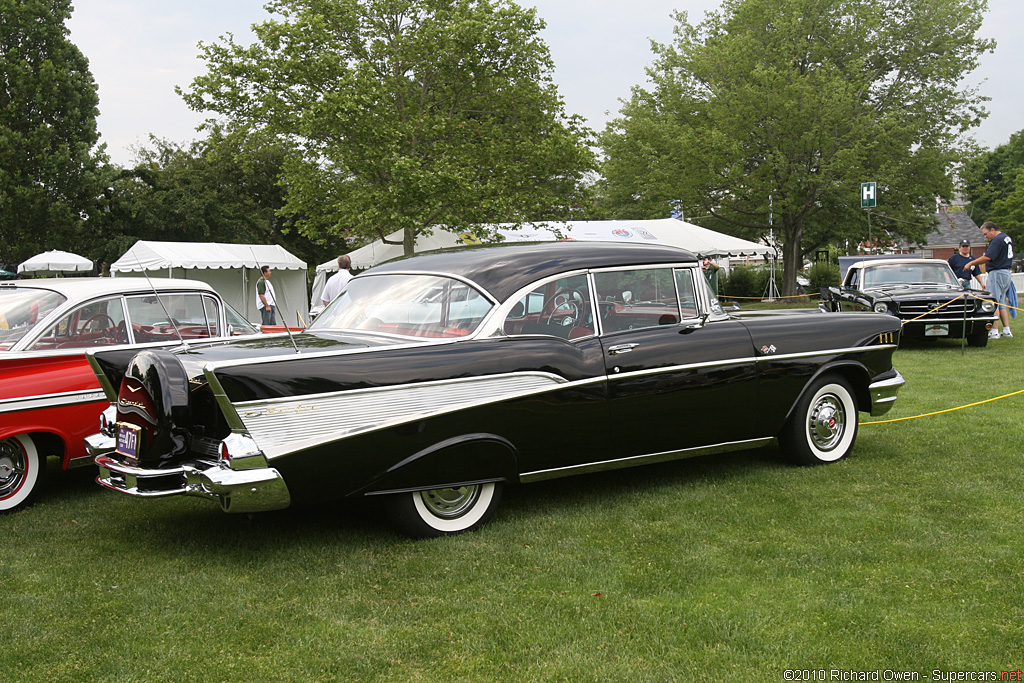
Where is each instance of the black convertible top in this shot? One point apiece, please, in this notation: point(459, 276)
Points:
point(503, 269)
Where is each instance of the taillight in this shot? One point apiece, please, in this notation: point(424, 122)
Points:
point(237, 446)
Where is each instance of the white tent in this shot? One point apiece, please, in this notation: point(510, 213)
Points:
point(231, 269)
point(54, 261)
point(693, 238)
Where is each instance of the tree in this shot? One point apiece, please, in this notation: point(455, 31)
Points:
point(991, 177)
point(403, 113)
point(48, 106)
point(781, 108)
point(224, 188)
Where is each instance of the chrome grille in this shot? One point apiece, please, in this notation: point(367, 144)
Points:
point(958, 307)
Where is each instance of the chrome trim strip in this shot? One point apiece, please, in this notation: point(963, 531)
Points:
point(223, 402)
point(664, 456)
point(105, 385)
point(751, 359)
point(969, 319)
point(67, 398)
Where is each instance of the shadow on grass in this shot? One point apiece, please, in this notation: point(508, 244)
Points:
point(171, 526)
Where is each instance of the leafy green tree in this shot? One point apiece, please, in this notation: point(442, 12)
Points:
point(992, 176)
point(781, 108)
point(48, 106)
point(225, 188)
point(403, 113)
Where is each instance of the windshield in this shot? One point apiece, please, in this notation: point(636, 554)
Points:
point(910, 274)
point(21, 309)
point(407, 305)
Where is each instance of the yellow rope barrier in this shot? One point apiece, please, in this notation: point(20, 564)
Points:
point(948, 410)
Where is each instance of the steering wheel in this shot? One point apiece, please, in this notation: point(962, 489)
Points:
point(565, 300)
point(85, 325)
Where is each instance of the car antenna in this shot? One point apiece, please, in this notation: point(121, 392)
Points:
point(290, 337)
point(160, 301)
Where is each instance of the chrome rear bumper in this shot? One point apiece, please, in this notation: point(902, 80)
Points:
point(253, 490)
point(883, 393)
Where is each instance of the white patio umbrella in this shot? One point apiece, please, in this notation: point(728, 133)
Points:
point(55, 261)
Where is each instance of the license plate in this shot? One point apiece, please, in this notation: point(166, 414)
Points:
point(936, 331)
point(128, 440)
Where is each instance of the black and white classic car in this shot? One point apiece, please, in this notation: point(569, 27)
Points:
point(433, 381)
point(924, 294)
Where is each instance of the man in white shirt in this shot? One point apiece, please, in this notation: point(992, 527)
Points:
point(266, 302)
point(337, 282)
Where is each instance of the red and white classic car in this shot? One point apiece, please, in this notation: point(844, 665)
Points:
point(49, 396)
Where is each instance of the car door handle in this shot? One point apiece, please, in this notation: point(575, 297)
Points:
point(621, 348)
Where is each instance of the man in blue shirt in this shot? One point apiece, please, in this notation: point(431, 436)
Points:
point(998, 260)
point(960, 259)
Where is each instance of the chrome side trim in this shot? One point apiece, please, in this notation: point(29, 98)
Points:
point(651, 458)
point(67, 398)
point(883, 393)
point(282, 426)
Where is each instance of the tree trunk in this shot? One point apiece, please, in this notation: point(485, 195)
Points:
point(408, 242)
point(792, 258)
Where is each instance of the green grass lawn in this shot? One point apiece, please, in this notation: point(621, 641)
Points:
point(906, 556)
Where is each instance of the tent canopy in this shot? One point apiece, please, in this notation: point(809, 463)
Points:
point(54, 261)
point(161, 255)
point(693, 238)
point(231, 269)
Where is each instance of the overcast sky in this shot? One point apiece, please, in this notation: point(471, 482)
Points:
point(138, 51)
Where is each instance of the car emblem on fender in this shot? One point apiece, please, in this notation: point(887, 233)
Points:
point(768, 349)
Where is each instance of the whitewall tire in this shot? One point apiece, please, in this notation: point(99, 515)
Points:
point(444, 511)
point(22, 472)
point(823, 426)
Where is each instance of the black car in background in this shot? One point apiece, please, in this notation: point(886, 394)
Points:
point(924, 294)
point(433, 381)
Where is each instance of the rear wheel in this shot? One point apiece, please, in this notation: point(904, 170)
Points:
point(823, 425)
point(22, 472)
point(444, 511)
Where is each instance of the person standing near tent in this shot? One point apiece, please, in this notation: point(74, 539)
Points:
point(265, 293)
point(337, 283)
point(711, 269)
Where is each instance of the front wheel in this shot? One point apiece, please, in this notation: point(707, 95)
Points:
point(22, 471)
point(446, 511)
point(979, 338)
point(823, 425)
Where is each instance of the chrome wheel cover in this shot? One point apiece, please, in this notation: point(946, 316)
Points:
point(826, 422)
point(450, 503)
point(12, 466)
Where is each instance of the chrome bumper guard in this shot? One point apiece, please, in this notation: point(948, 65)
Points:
point(253, 490)
point(883, 393)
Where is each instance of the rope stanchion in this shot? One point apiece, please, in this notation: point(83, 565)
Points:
point(947, 410)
